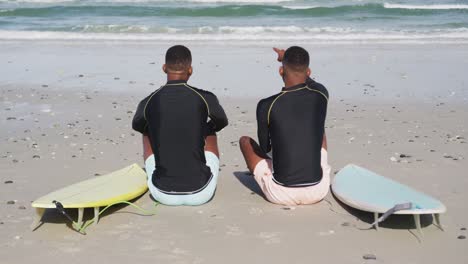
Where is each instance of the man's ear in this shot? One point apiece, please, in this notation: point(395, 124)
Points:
point(281, 71)
point(308, 72)
point(164, 68)
point(190, 71)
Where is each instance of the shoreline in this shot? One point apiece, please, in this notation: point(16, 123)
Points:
point(239, 42)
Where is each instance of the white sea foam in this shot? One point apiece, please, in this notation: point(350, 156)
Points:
point(289, 6)
point(297, 7)
point(253, 35)
point(228, 30)
point(143, 29)
point(237, 1)
point(260, 30)
point(37, 1)
point(149, 1)
point(117, 28)
point(426, 7)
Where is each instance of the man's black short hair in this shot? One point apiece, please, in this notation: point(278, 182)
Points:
point(296, 59)
point(178, 58)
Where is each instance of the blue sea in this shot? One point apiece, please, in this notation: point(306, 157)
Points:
point(341, 21)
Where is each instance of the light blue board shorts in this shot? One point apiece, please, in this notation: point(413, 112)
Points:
point(198, 197)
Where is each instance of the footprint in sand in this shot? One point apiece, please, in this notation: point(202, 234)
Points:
point(255, 211)
point(124, 226)
point(124, 236)
point(269, 237)
point(149, 247)
point(326, 233)
point(70, 250)
point(169, 252)
point(210, 230)
point(179, 251)
point(233, 230)
point(115, 232)
point(73, 237)
point(198, 261)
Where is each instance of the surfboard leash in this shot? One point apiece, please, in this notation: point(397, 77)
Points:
point(61, 210)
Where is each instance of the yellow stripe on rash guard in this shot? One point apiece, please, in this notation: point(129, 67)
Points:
point(149, 99)
point(271, 106)
point(203, 98)
point(282, 93)
point(314, 90)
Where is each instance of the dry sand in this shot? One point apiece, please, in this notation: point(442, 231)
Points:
point(398, 110)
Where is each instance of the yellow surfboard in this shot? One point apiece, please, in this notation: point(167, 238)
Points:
point(118, 186)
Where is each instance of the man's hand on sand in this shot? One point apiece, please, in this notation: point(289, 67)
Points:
point(280, 53)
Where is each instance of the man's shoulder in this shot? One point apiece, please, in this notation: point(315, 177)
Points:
point(318, 87)
point(202, 92)
point(266, 102)
point(269, 99)
point(151, 95)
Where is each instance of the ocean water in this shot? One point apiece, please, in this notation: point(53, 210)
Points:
point(242, 21)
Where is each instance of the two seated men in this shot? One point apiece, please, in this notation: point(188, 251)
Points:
point(179, 124)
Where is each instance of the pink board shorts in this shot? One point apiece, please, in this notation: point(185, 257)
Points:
point(278, 194)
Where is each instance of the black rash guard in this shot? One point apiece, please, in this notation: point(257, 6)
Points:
point(291, 123)
point(175, 118)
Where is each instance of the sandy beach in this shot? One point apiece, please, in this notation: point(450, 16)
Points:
point(66, 109)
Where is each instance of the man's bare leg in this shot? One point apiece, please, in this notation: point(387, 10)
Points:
point(324, 141)
point(211, 145)
point(252, 152)
point(147, 150)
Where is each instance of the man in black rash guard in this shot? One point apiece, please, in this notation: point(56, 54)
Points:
point(173, 120)
point(291, 124)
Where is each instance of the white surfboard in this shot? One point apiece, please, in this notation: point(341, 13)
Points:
point(367, 191)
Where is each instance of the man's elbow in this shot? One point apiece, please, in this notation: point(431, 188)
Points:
point(135, 126)
point(220, 124)
point(224, 123)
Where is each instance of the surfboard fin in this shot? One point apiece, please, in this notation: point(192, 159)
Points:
point(438, 223)
point(81, 228)
point(37, 218)
point(96, 215)
point(417, 222)
point(397, 207)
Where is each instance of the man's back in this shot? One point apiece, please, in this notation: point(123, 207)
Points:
point(293, 121)
point(175, 119)
point(292, 125)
